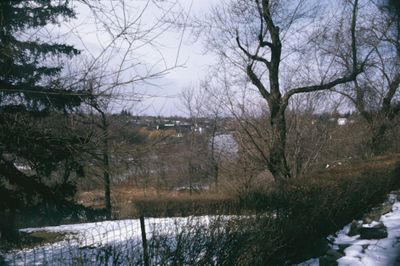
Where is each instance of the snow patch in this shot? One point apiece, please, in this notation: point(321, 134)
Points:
point(382, 252)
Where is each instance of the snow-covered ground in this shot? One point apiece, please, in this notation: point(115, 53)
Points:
point(382, 252)
point(120, 243)
point(102, 243)
point(373, 252)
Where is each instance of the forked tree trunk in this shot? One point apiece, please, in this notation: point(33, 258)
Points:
point(269, 39)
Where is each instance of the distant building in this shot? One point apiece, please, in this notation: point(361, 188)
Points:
point(342, 121)
point(180, 127)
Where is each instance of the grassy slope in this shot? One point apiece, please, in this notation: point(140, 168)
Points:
point(131, 202)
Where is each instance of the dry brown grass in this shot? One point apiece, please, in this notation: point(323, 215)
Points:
point(130, 201)
point(352, 168)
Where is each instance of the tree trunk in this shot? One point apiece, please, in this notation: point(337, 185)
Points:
point(106, 176)
point(214, 161)
point(216, 173)
point(378, 141)
point(277, 159)
point(106, 168)
point(8, 225)
point(190, 171)
point(67, 172)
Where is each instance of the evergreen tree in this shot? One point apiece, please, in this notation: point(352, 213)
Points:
point(30, 90)
point(394, 6)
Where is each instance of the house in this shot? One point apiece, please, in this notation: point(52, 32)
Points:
point(341, 121)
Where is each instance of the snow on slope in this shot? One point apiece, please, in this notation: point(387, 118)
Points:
point(105, 243)
point(382, 252)
point(374, 252)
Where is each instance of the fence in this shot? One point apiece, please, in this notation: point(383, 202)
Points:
point(152, 241)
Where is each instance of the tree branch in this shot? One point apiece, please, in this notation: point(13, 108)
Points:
point(393, 86)
point(249, 55)
point(320, 87)
point(357, 69)
point(257, 82)
point(261, 35)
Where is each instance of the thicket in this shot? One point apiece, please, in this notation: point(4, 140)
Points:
point(284, 224)
point(293, 218)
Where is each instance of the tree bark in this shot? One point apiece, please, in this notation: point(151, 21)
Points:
point(106, 167)
point(8, 225)
point(277, 163)
point(214, 161)
point(379, 127)
point(216, 173)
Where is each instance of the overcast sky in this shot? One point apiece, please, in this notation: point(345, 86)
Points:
point(193, 63)
point(156, 51)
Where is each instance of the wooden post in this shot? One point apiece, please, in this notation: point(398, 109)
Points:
point(144, 242)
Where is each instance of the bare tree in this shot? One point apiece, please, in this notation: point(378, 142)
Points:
point(214, 112)
point(375, 93)
point(252, 36)
point(101, 105)
point(201, 102)
point(120, 64)
point(193, 106)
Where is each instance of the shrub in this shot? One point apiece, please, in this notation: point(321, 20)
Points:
point(308, 209)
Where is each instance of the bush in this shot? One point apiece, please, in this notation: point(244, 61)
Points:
point(185, 206)
point(307, 209)
point(292, 223)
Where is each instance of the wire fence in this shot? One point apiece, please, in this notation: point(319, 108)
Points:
point(102, 243)
point(151, 241)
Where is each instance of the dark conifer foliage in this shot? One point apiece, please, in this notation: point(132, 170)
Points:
point(31, 90)
point(394, 5)
point(24, 75)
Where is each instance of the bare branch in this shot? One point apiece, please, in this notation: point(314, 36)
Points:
point(250, 56)
point(320, 87)
point(257, 82)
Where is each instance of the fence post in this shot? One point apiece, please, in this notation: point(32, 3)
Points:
point(144, 242)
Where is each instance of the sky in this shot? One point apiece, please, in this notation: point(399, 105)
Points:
point(155, 48)
point(174, 49)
